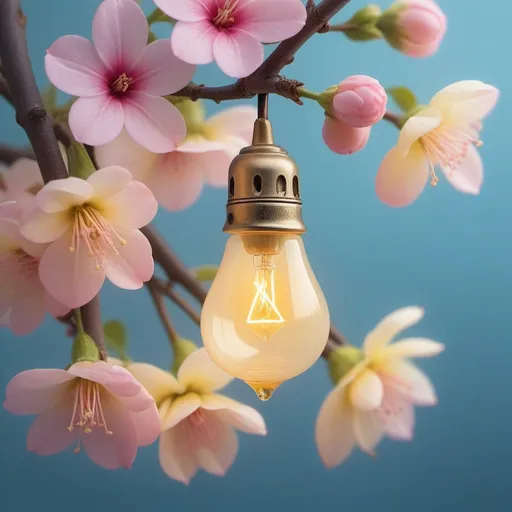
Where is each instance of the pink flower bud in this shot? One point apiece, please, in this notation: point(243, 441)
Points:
point(359, 101)
point(415, 27)
point(342, 138)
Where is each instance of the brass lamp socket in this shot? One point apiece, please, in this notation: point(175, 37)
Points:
point(264, 191)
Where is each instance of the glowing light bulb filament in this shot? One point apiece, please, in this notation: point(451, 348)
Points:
point(264, 316)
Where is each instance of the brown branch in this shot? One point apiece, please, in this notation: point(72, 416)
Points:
point(4, 90)
point(93, 326)
point(9, 154)
point(163, 314)
point(337, 336)
point(167, 289)
point(394, 119)
point(266, 78)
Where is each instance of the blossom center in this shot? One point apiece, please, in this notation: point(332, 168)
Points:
point(87, 409)
point(448, 146)
point(121, 84)
point(98, 235)
point(224, 17)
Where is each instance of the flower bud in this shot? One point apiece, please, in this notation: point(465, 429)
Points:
point(342, 138)
point(342, 360)
point(414, 27)
point(359, 101)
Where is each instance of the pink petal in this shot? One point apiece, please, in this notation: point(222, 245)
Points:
point(160, 72)
point(186, 10)
point(270, 21)
point(397, 416)
point(147, 424)
point(368, 429)
point(237, 121)
point(401, 180)
point(35, 391)
point(176, 455)
point(61, 195)
point(193, 42)
point(117, 450)
point(115, 379)
point(177, 180)
point(109, 181)
point(199, 371)
point(71, 277)
point(120, 33)
point(54, 307)
point(216, 168)
point(153, 122)
point(119, 210)
point(468, 176)
point(342, 138)
point(134, 265)
point(43, 227)
point(237, 53)
point(48, 434)
point(11, 210)
point(28, 307)
point(74, 66)
point(23, 180)
point(334, 435)
point(181, 407)
point(12, 239)
point(96, 120)
point(234, 413)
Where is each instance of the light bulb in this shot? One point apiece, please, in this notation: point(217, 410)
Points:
point(265, 319)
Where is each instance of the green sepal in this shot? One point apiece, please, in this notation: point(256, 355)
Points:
point(116, 339)
point(205, 273)
point(363, 33)
point(194, 114)
point(84, 349)
point(403, 97)
point(79, 163)
point(362, 26)
point(367, 15)
point(326, 98)
point(342, 360)
point(387, 24)
point(182, 349)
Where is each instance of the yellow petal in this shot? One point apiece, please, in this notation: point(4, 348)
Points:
point(417, 126)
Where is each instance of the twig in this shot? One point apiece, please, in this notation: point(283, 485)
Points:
point(9, 154)
point(394, 119)
point(336, 336)
point(168, 290)
point(163, 314)
point(4, 90)
point(266, 78)
point(93, 326)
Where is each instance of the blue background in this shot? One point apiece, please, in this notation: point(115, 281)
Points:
point(448, 252)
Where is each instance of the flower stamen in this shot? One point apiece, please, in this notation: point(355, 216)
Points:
point(121, 84)
point(224, 17)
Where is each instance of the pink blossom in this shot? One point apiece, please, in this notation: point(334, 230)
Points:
point(93, 226)
point(198, 425)
point(342, 138)
point(177, 178)
point(23, 298)
point(97, 406)
point(119, 80)
point(359, 101)
point(231, 31)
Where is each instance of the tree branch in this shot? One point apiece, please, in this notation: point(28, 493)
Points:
point(93, 326)
point(394, 119)
point(266, 78)
point(163, 314)
point(167, 289)
point(9, 154)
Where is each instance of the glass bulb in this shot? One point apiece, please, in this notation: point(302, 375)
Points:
point(265, 319)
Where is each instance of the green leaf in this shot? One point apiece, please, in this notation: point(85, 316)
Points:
point(205, 273)
point(116, 338)
point(403, 97)
point(49, 97)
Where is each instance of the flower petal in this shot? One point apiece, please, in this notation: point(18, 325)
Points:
point(61, 195)
point(71, 277)
point(237, 121)
point(35, 391)
point(193, 42)
point(11, 239)
point(216, 168)
point(40, 227)
point(147, 424)
point(270, 21)
point(468, 176)
point(119, 210)
point(397, 416)
point(48, 434)
point(366, 391)
point(199, 371)
point(181, 407)
point(134, 264)
point(120, 33)
point(176, 455)
point(417, 126)
point(153, 122)
point(96, 120)
point(368, 430)
point(412, 347)
point(74, 66)
point(186, 10)
point(159, 383)
point(54, 307)
point(237, 53)
point(390, 326)
point(234, 413)
point(177, 180)
point(160, 72)
point(109, 181)
point(400, 180)
point(334, 435)
point(119, 448)
point(28, 306)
